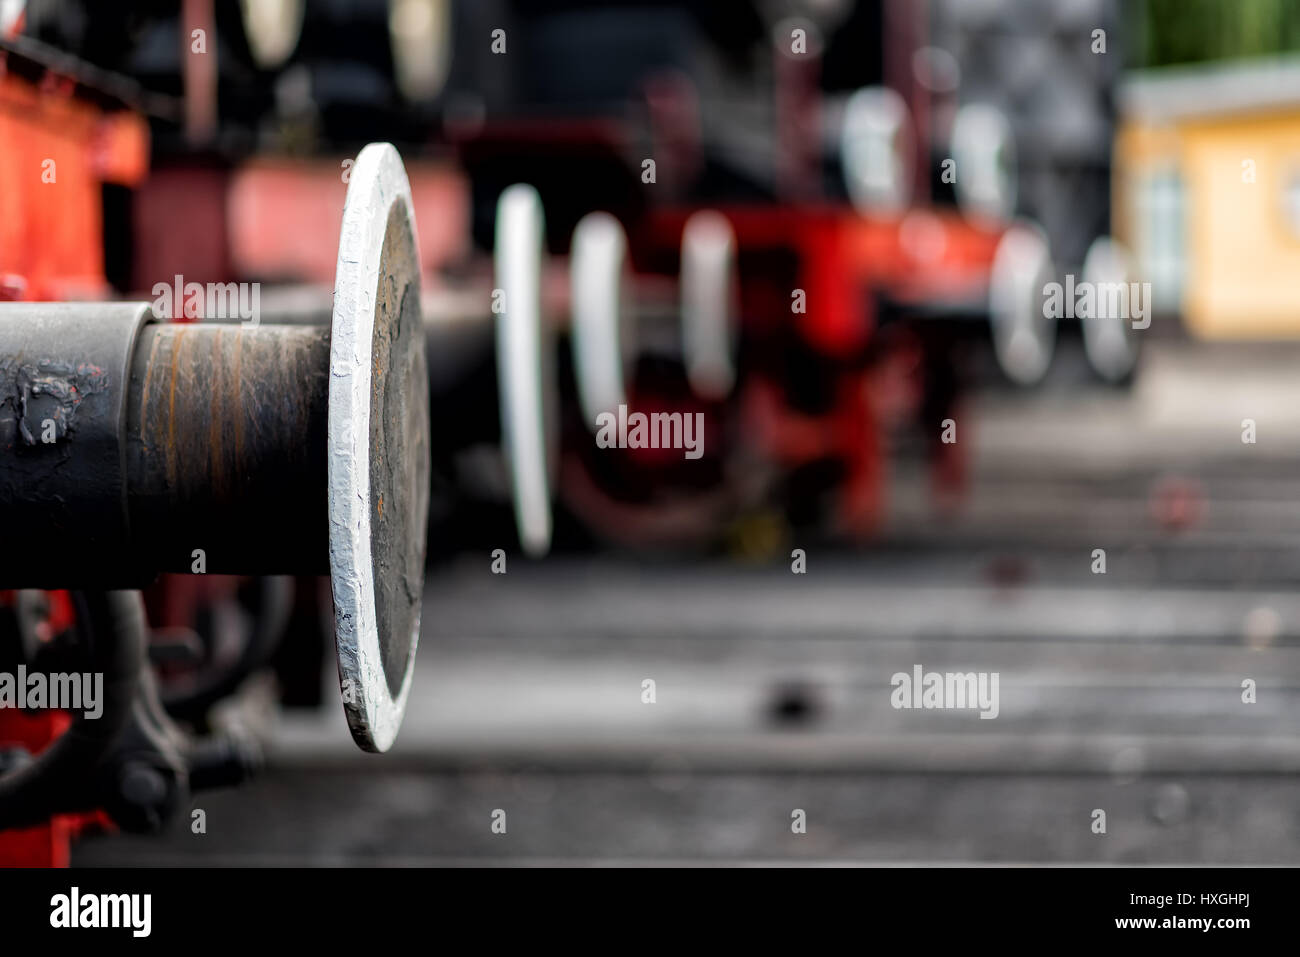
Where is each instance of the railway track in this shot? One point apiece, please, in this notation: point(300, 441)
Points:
point(1120, 691)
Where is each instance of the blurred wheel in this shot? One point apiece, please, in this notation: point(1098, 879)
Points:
point(272, 29)
point(876, 151)
point(1109, 340)
point(601, 325)
point(525, 366)
point(709, 304)
point(983, 146)
point(1024, 335)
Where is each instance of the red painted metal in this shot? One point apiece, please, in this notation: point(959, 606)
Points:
point(277, 220)
point(56, 152)
point(843, 262)
point(842, 258)
point(284, 216)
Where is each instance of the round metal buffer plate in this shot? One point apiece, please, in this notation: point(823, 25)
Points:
point(378, 461)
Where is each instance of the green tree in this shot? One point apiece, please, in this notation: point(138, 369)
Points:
point(1193, 31)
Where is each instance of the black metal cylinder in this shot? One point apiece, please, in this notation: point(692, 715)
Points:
point(129, 448)
point(63, 381)
point(225, 448)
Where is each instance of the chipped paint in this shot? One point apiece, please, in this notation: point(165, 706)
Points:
point(47, 389)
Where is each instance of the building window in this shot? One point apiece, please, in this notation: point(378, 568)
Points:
point(1161, 247)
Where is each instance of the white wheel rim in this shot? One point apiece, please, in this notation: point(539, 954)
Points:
point(984, 149)
point(1024, 336)
point(708, 291)
point(600, 323)
point(272, 28)
point(419, 35)
point(1108, 340)
point(526, 406)
point(876, 151)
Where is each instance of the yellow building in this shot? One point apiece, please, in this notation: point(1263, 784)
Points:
point(1207, 193)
